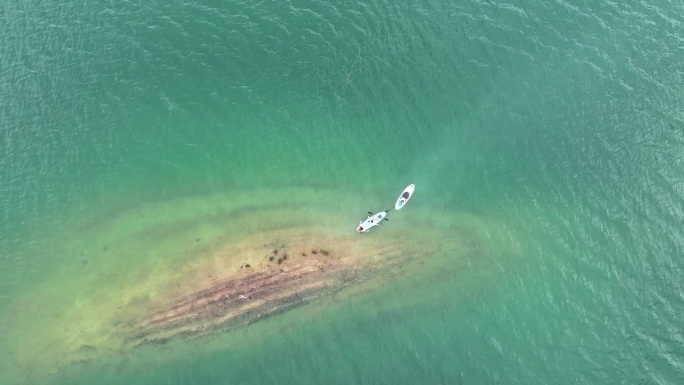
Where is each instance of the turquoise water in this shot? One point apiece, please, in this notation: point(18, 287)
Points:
point(559, 122)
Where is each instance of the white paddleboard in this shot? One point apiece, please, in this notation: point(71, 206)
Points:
point(404, 197)
point(372, 221)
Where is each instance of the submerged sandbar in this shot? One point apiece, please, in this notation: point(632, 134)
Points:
point(184, 268)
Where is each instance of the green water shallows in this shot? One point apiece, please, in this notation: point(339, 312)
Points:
point(562, 121)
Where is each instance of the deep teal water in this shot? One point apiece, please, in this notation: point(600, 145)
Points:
point(564, 119)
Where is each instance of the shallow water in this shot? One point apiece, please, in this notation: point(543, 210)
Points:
point(551, 133)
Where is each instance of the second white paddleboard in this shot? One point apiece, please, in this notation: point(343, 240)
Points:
point(404, 197)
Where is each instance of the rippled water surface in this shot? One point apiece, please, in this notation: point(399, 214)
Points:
point(553, 130)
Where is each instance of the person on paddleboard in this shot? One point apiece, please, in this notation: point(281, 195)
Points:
point(372, 221)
